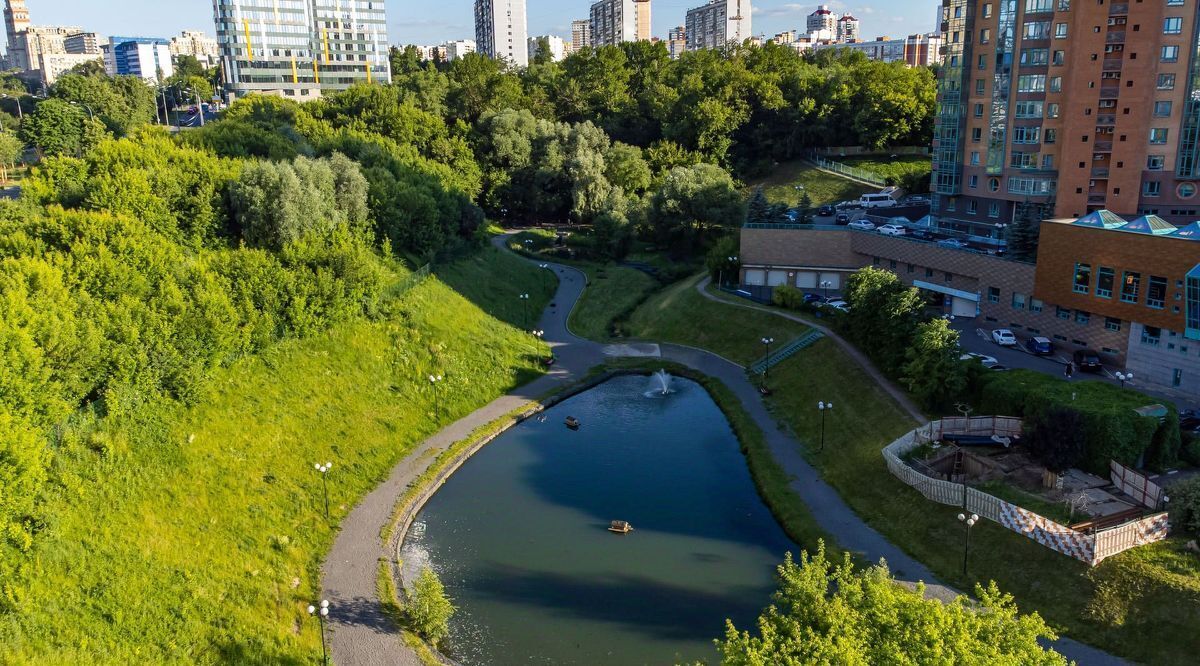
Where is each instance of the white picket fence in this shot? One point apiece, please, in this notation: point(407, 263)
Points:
point(1090, 548)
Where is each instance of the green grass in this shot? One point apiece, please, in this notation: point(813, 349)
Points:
point(891, 167)
point(199, 541)
point(612, 294)
point(822, 187)
point(681, 315)
point(494, 280)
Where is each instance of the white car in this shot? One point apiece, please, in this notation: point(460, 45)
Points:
point(862, 225)
point(892, 230)
point(1004, 337)
point(838, 304)
point(989, 362)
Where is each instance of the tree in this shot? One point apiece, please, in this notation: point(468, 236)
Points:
point(56, 127)
point(806, 206)
point(932, 371)
point(824, 613)
point(1185, 505)
point(758, 209)
point(12, 149)
point(277, 204)
point(627, 169)
point(1024, 233)
point(1057, 438)
point(429, 609)
point(884, 315)
point(694, 204)
point(722, 262)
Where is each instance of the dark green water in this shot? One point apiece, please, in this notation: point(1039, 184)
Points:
point(519, 535)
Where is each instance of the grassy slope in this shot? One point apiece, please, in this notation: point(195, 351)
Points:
point(613, 291)
point(821, 187)
point(494, 280)
point(892, 167)
point(201, 544)
point(679, 314)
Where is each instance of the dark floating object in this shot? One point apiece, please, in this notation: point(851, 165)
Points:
point(572, 423)
point(620, 527)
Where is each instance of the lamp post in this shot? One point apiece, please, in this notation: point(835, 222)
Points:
point(20, 113)
point(1124, 377)
point(321, 613)
point(767, 368)
point(538, 334)
point(721, 272)
point(969, 521)
point(826, 284)
point(434, 380)
point(324, 471)
point(525, 303)
point(823, 407)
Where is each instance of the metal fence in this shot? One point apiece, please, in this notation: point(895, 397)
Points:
point(412, 280)
point(1090, 548)
point(852, 172)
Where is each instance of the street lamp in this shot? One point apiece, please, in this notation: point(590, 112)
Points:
point(1124, 377)
point(321, 613)
point(823, 407)
point(767, 367)
point(434, 380)
point(970, 522)
point(20, 113)
point(525, 302)
point(826, 284)
point(721, 271)
point(546, 267)
point(324, 471)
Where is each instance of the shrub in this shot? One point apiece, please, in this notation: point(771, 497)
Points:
point(1190, 448)
point(429, 609)
point(788, 297)
point(1056, 438)
point(1185, 505)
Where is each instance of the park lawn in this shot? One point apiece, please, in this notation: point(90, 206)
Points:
point(197, 535)
point(494, 280)
point(1143, 604)
point(681, 315)
point(891, 167)
point(611, 295)
point(822, 187)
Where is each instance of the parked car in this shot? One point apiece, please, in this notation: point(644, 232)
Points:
point(838, 304)
point(881, 200)
point(1087, 360)
point(917, 198)
point(843, 218)
point(988, 362)
point(952, 243)
point(1189, 421)
point(810, 297)
point(892, 230)
point(825, 211)
point(1004, 337)
point(920, 234)
point(862, 225)
point(1039, 345)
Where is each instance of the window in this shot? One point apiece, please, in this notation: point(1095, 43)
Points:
point(1059, 58)
point(1155, 162)
point(1166, 81)
point(976, 134)
point(1062, 313)
point(1156, 292)
point(993, 209)
point(1056, 84)
point(1038, 29)
point(1035, 56)
point(973, 181)
point(1032, 83)
point(1151, 335)
point(1174, 3)
point(1038, 6)
point(1082, 317)
point(1169, 54)
point(1171, 25)
point(972, 207)
point(980, 86)
point(1047, 162)
point(1131, 284)
point(1083, 278)
point(1104, 282)
point(978, 110)
point(994, 184)
point(1186, 190)
point(1064, 5)
point(1162, 109)
point(1018, 301)
point(1050, 136)
point(1193, 305)
point(1158, 135)
point(985, 36)
point(982, 61)
point(928, 272)
point(987, 10)
point(974, 159)
point(994, 294)
point(1028, 109)
point(1052, 110)
point(1036, 305)
point(1024, 160)
point(1060, 30)
point(1151, 188)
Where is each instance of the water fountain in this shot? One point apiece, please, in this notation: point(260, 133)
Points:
point(660, 384)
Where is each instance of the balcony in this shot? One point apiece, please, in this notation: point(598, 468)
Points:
point(1101, 173)
point(1121, 9)
point(1110, 92)
point(1115, 37)
point(1106, 119)
point(1097, 197)
point(1102, 147)
point(1113, 64)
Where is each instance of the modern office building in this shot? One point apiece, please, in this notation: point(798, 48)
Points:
point(581, 34)
point(617, 21)
point(196, 44)
point(847, 29)
point(1054, 108)
point(822, 20)
point(914, 50)
point(716, 24)
point(146, 57)
point(299, 48)
point(501, 31)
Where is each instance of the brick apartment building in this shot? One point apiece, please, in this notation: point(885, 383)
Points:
point(1072, 295)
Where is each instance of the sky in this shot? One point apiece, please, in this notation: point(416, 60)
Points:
point(436, 21)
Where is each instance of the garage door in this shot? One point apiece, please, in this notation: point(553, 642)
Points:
point(776, 278)
point(834, 280)
point(806, 280)
point(756, 277)
point(961, 307)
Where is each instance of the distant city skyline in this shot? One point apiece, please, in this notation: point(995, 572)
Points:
point(415, 22)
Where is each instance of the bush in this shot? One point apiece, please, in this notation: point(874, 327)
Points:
point(1056, 438)
point(788, 297)
point(429, 609)
point(1190, 448)
point(1185, 505)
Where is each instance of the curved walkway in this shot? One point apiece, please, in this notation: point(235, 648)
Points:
point(360, 632)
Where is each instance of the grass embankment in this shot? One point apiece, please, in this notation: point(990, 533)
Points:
point(494, 280)
point(822, 188)
point(199, 540)
point(896, 168)
point(681, 315)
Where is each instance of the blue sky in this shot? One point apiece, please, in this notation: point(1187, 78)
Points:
point(414, 21)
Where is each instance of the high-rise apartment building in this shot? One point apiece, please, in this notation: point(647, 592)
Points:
point(581, 34)
point(82, 43)
point(459, 48)
point(146, 57)
point(847, 29)
point(676, 41)
point(1056, 108)
point(299, 48)
point(617, 21)
point(16, 21)
point(196, 44)
point(501, 31)
point(718, 23)
point(822, 19)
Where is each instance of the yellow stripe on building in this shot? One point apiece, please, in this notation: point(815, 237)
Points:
point(325, 40)
point(249, 46)
point(316, 72)
point(295, 74)
point(368, 72)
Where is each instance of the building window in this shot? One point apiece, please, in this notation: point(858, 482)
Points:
point(982, 61)
point(1112, 324)
point(1056, 84)
point(978, 110)
point(1083, 278)
point(1062, 313)
point(1169, 54)
point(993, 209)
point(928, 272)
point(949, 277)
point(1155, 162)
point(1151, 335)
point(985, 36)
point(1050, 136)
point(1131, 285)
point(993, 294)
point(1162, 109)
point(1038, 6)
point(1018, 301)
point(1035, 57)
point(1192, 317)
point(974, 160)
point(1052, 110)
point(1060, 30)
point(1166, 81)
point(1059, 58)
point(1172, 25)
point(1104, 282)
point(976, 134)
point(1048, 163)
point(1036, 305)
point(1037, 30)
point(972, 207)
point(1186, 190)
point(1031, 83)
point(1158, 135)
point(1023, 160)
point(972, 181)
point(1082, 317)
point(1028, 109)
point(1151, 188)
point(980, 86)
point(1156, 292)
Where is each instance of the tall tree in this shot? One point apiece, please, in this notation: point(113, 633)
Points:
point(932, 370)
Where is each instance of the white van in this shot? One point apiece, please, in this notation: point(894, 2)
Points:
point(881, 200)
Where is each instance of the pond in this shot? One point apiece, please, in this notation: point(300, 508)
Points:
point(519, 534)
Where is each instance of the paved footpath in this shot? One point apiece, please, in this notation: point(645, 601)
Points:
point(361, 634)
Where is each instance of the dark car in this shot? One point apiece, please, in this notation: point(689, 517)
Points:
point(1087, 360)
point(843, 218)
point(1039, 345)
point(1189, 421)
point(825, 211)
point(813, 298)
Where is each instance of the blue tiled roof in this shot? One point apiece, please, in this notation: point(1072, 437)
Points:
point(1190, 232)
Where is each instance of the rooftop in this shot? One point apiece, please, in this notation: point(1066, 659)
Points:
point(1150, 225)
